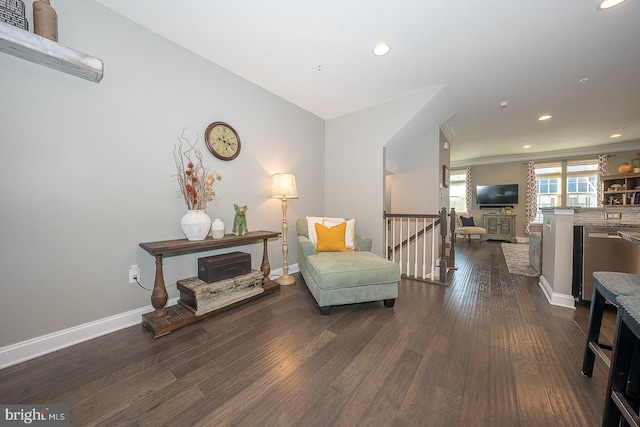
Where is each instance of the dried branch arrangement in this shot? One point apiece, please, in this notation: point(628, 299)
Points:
point(194, 180)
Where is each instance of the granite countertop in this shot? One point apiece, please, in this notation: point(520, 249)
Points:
point(622, 216)
point(591, 222)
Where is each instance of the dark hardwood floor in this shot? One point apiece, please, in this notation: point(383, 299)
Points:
point(486, 351)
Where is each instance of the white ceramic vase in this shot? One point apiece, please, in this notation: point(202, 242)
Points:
point(217, 229)
point(196, 225)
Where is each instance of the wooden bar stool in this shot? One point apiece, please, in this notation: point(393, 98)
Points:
point(607, 286)
point(622, 397)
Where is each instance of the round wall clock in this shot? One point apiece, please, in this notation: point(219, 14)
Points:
point(222, 141)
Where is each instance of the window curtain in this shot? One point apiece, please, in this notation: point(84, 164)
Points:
point(532, 197)
point(602, 171)
point(469, 200)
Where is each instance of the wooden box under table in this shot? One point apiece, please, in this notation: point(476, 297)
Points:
point(202, 297)
point(220, 267)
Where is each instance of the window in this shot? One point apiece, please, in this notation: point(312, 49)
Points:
point(582, 184)
point(580, 177)
point(548, 186)
point(458, 190)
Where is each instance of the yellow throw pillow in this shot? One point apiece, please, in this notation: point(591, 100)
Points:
point(350, 233)
point(331, 239)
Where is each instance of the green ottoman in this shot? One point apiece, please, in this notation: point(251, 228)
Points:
point(336, 278)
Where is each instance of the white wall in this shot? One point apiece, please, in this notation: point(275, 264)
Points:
point(354, 149)
point(419, 155)
point(87, 173)
point(355, 163)
point(415, 188)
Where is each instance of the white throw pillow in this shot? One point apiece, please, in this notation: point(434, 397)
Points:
point(350, 232)
point(311, 223)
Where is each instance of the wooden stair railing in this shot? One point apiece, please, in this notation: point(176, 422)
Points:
point(410, 237)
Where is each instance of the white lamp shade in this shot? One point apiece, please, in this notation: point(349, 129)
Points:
point(283, 186)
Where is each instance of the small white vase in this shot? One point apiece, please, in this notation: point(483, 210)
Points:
point(217, 229)
point(195, 224)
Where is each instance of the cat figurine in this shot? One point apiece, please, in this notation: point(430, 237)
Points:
point(240, 221)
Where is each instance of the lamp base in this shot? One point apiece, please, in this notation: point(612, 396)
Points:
point(286, 280)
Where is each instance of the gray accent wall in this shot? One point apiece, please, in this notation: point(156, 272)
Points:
point(87, 172)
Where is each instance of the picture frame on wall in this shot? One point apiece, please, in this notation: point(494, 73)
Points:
point(445, 176)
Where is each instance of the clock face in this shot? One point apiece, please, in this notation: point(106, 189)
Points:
point(222, 141)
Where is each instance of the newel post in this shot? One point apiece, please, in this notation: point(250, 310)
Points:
point(443, 237)
point(452, 227)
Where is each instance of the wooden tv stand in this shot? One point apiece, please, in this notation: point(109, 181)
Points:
point(163, 319)
point(500, 227)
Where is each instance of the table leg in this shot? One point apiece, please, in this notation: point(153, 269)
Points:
point(266, 268)
point(159, 296)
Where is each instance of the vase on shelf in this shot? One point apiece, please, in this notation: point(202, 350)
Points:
point(196, 224)
point(217, 229)
point(45, 20)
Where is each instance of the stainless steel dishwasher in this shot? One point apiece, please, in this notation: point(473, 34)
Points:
point(604, 250)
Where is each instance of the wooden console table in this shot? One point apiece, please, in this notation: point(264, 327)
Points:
point(164, 320)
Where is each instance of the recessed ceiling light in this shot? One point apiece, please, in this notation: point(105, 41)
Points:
point(544, 117)
point(381, 49)
point(608, 4)
point(526, 146)
point(615, 135)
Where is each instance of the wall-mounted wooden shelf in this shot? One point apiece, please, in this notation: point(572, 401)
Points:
point(32, 47)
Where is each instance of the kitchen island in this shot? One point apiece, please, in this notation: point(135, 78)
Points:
point(579, 241)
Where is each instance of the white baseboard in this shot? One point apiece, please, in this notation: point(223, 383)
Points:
point(561, 300)
point(30, 349)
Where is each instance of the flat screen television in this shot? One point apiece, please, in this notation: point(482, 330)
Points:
point(497, 195)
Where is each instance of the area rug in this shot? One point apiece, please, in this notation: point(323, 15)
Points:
point(517, 257)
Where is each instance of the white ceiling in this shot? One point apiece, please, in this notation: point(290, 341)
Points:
point(532, 54)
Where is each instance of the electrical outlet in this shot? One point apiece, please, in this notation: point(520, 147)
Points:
point(134, 274)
